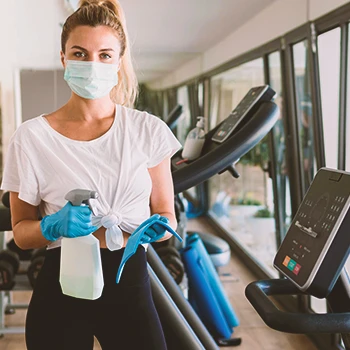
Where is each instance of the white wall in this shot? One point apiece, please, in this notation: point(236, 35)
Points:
point(279, 18)
point(24, 25)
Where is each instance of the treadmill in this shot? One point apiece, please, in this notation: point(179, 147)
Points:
point(311, 260)
point(224, 145)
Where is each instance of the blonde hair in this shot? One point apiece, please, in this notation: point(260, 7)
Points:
point(107, 13)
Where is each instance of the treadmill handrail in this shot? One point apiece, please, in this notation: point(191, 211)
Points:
point(257, 293)
point(241, 142)
point(174, 116)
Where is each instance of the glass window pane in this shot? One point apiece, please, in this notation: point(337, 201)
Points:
point(329, 63)
point(243, 206)
point(282, 177)
point(347, 138)
point(184, 122)
point(304, 111)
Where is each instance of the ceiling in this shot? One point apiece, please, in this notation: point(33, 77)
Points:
point(165, 34)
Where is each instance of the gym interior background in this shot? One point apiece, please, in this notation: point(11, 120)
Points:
point(209, 61)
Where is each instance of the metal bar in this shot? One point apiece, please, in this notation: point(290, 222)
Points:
point(315, 83)
point(291, 128)
point(343, 95)
point(176, 324)
point(183, 305)
point(12, 330)
point(339, 300)
point(272, 171)
point(17, 306)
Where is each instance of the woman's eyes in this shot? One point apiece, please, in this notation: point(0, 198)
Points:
point(79, 54)
point(103, 56)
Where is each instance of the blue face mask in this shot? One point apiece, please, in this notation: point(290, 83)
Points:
point(91, 80)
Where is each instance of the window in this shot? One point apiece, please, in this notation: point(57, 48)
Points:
point(329, 64)
point(184, 122)
point(304, 111)
point(243, 206)
point(282, 178)
point(347, 138)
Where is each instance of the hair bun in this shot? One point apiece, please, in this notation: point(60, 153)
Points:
point(111, 4)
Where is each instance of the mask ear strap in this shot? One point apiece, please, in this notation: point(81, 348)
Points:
point(119, 64)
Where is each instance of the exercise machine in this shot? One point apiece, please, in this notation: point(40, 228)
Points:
point(224, 145)
point(311, 259)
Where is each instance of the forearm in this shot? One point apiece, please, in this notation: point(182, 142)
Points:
point(27, 235)
point(172, 224)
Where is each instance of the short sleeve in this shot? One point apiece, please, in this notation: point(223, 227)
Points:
point(19, 175)
point(164, 143)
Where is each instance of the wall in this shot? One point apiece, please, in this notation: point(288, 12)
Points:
point(279, 18)
point(20, 38)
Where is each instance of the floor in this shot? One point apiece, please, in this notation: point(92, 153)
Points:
point(254, 333)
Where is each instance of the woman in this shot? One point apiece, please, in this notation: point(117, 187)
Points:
point(96, 142)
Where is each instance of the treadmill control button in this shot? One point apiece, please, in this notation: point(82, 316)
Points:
point(336, 176)
point(286, 261)
point(291, 265)
point(296, 269)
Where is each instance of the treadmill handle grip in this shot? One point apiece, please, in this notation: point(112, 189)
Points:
point(257, 293)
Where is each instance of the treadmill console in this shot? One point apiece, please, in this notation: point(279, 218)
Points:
point(248, 104)
point(317, 243)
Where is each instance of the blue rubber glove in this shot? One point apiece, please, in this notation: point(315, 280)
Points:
point(155, 231)
point(71, 221)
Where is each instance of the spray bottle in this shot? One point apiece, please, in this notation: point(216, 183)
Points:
point(194, 141)
point(81, 268)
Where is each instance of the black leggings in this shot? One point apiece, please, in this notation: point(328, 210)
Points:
point(124, 317)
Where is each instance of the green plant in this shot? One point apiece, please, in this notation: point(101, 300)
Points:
point(257, 156)
point(246, 201)
point(263, 213)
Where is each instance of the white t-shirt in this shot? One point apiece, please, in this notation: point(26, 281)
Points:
point(42, 165)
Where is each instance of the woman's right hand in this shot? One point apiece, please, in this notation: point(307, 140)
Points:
point(71, 221)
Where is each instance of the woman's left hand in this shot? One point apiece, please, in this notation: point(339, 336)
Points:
point(155, 231)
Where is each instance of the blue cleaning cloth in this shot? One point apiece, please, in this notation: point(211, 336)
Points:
point(136, 237)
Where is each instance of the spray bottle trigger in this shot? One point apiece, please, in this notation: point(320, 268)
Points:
point(91, 205)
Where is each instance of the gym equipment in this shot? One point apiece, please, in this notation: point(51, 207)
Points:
point(311, 257)
point(175, 266)
point(260, 115)
point(215, 158)
point(9, 264)
point(5, 199)
point(168, 250)
point(174, 116)
point(24, 255)
point(201, 291)
point(204, 263)
point(318, 241)
point(35, 266)
point(218, 249)
point(175, 312)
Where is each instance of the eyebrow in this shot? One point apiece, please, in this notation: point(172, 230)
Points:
point(81, 48)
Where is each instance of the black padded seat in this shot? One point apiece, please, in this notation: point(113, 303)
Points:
point(218, 249)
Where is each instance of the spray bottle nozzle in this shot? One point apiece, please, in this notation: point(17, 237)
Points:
point(200, 122)
point(80, 196)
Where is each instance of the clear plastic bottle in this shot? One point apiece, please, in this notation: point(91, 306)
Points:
point(194, 141)
point(81, 273)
